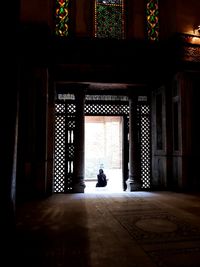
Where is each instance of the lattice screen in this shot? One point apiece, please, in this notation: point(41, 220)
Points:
point(106, 109)
point(70, 126)
point(59, 150)
point(64, 138)
point(145, 145)
point(64, 146)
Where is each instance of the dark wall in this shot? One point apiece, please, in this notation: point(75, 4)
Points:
point(32, 132)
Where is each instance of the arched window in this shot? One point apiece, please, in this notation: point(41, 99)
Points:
point(152, 17)
point(61, 17)
point(109, 19)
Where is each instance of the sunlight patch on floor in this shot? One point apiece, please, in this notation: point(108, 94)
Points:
point(114, 183)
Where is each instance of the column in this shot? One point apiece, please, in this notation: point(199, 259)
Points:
point(134, 178)
point(79, 139)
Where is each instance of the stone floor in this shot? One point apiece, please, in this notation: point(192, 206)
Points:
point(105, 229)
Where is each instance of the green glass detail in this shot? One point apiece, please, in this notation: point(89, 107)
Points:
point(109, 19)
point(152, 15)
point(62, 17)
point(109, 1)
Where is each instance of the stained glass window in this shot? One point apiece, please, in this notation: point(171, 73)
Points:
point(109, 19)
point(152, 20)
point(62, 17)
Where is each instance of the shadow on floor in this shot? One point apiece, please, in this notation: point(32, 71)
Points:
point(52, 233)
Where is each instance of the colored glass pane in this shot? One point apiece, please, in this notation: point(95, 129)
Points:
point(109, 19)
point(109, 1)
point(62, 17)
point(152, 20)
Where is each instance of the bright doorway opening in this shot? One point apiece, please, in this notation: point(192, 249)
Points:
point(103, 149)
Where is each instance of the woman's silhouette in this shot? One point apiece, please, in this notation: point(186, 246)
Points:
point(101, 177)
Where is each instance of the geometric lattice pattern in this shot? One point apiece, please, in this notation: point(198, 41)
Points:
point(70, 109)
point(143, 116)
point(109, 19)
point(69, 151)
point(60, 109)
point(59, 151)
point(106, 109)
point(145, 143)
point(70, 127)
point(64, 146)
point(65, 114)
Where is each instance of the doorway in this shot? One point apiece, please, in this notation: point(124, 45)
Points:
point(65, 143)
point(103, 150)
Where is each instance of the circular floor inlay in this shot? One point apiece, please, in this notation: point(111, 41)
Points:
point(156, 225)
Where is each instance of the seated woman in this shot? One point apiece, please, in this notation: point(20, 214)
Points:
point(102, 182)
